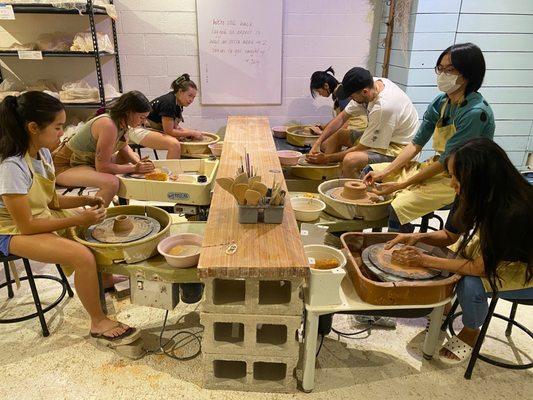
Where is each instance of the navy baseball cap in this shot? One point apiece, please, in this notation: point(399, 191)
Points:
point(355, 79)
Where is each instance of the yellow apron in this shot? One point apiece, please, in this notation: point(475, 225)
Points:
point(433, 193)
point(512, 275)
point(40, 195)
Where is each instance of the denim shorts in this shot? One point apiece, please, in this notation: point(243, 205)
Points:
point(4, 244)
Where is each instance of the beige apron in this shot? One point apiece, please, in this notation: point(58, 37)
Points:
point(40, 195)
point(433, 193)
point(512, 274)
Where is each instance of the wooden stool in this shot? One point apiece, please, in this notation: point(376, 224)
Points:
point(30, 277)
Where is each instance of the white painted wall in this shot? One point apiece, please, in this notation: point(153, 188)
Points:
point(503, 30)
point(157, 41)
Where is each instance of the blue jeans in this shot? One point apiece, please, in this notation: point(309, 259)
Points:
point(473, 300)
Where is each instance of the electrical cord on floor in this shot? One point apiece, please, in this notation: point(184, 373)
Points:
point(320, 345)
point(192, 336)
point(347, 335)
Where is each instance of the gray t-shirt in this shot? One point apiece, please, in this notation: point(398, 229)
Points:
point(15, 176)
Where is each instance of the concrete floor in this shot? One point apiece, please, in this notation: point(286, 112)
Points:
point(387, 364)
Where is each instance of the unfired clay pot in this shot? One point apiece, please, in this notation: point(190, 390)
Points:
point(122, 224)
point(354, 190)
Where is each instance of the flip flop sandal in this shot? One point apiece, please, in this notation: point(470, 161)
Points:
point(130, 335)
point(459, 349)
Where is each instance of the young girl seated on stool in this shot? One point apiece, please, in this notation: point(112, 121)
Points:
point(493, 213)
point(33, 218)
point(166, 116)
point(99, 150)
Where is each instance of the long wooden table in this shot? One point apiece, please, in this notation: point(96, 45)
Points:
point(263, 250)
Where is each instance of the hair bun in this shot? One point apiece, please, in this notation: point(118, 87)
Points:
point(11, 100)
point(330, 69)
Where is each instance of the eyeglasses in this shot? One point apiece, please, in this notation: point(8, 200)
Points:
point(447, 69)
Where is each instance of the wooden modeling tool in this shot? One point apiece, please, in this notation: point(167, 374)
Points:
point(260, 187)
point(239, 191)
point(252, 197)
point(226, 183)
point(241, 178)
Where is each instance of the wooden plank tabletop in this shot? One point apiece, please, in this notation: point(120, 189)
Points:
point(263, 250)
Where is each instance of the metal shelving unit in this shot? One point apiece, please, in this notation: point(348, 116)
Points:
point(90, 11)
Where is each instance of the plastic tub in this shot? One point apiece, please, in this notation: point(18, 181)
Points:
point(279, 131)
point(289, 157)
point(307, 209)
point(179, 261)
point(216, 148)
point(324, 284)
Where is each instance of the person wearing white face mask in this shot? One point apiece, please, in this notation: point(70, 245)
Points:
point(458, 114)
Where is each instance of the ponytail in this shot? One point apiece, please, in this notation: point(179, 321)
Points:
point(320, 78)
point(182, 83)
point(17, 113)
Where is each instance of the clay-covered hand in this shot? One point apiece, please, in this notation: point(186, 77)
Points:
point(317, 158)
point(315, 149)
point(373, 177)
point(196, 135)
point(387, 188)
point(91, 216)
point(144, 166)
point(408, 256)
point(409, 239)
point(316, 130)
point(92, 201)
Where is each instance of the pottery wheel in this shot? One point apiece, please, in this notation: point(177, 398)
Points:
point(381, 259)
point(143, 226)
point(304, 163)
point(382, 275)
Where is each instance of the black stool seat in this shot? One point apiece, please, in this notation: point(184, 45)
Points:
point(30, 277)
point(137, 147)
point(424, 224)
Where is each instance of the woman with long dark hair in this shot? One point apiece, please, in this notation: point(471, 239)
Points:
point(33, 218)
point(324, 84)
point(493, 212)
point(456, 115)
point(166, 116)
point(99, 149)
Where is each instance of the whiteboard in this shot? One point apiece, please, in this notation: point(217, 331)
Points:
point(239, 45)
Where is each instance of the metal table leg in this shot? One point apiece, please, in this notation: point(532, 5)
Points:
point(432, 335)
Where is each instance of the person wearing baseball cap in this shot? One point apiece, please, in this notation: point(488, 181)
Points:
point(392, 123)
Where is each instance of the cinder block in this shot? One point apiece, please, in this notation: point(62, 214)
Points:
point(270, 335)
point(249, 373)
point(253, 296)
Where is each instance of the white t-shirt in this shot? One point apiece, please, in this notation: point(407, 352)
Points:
point(16, 177)
point(391, 117)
